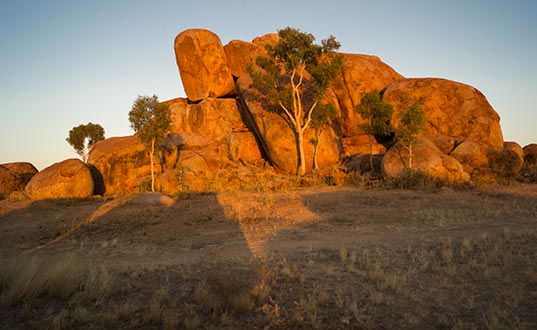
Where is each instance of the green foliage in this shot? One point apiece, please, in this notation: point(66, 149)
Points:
point(150, 119)
point(84, 137)
point(411, 123)
point(294, 77)
point(377, 113)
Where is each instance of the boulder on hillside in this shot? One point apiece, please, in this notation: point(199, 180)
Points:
point(360, 74)
point(507, 161)
point(68, 179)
point(530, 154)
point(426, 157)
point(472, 155)
point(203, 65)
point(123, 163)
point(240, 54)
point(24, 169)
point(482, 160)
point(9, 182)
point(276, 138)
point(452, 109)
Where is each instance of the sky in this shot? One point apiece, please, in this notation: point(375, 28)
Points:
point(66, 63)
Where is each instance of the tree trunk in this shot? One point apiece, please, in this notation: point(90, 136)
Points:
point(315, 165)
point(410, 156)
point(301, 163)
point(371, 154)
point(152, 165)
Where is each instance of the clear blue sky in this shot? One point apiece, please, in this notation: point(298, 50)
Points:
point(65, 63)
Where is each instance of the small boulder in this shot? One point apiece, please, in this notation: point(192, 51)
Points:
point(24, 169)
point(203, 65)
point(472, 155)
point(9, 182)
point(240, 54)
point(68, 179)
point(153, 199)
point(507, 161)
point(427, 158)
point(530, 154)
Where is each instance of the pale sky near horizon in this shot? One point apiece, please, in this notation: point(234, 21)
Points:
point(65, 63)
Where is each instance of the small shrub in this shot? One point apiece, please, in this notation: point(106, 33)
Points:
point(416, 179)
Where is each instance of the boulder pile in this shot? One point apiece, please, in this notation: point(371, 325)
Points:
point(223, 125)
point(223, 130)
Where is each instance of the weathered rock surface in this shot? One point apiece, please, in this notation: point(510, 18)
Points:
point(427, 158)
point(24, 169)
point(203, 65)
point(9, 182)
point(530, 154)
point(451, 109)
point(507, 161)
point(123, 163)
point(360, 74)
point(67, 179)
point(472, 155)
point(277, 138)
point(240, 54)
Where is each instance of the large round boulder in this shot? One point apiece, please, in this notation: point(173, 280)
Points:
point(360, 74)
point(24, 169)
point(9, 182)
point(203, 65)
point(426, 157)
point(68, 179)
point(451, 109)
point(122, 162)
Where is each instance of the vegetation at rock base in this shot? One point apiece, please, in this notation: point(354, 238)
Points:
point(151, 121)
point(295, 74)
point(320, 119)
point(411, 124)
point(83, 138)
point(378, 115)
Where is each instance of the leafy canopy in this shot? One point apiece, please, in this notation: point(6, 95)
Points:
point(377, 113)
point(293, 77)
point(83, 137)
point(411, 123)
point(150, 119)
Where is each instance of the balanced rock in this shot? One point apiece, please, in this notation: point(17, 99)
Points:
point(203, 65)
point(24, 169)
point(530, 154)
point(360, 74)
point(68, 179)
point(9, 182)
point(123, 163)
point(451, 109)
point(426, 157)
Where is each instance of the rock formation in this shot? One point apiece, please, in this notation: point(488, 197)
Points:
point(224, 125)
point(203, 65)
point(68, 179)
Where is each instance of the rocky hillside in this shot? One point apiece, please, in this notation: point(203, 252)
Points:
point(222, 130)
